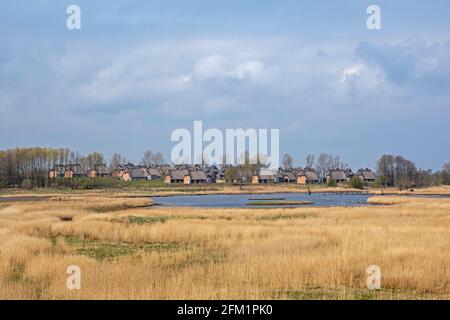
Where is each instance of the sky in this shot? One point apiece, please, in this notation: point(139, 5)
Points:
point(138, 70)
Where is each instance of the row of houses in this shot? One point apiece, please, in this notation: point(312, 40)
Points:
point(310, 176)
point(185, 174)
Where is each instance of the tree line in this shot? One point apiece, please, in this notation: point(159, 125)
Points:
point(391, 170)
point(397, 171)
point(30, 166)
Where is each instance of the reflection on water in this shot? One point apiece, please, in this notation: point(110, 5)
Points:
point(242, 200)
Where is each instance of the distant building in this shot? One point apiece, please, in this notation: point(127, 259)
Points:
point(365, 175)
point(197, 176)
point(212, 174)
point(349, 174)
point(58, 171)
point(285, 176)
point(123, 170)
point(135, 174)
point(100, 170)
point(307, 176)
point(164, 169)
point(153, 173)
point(74, 171)
point(177, 176)
point(337, 175)
point(263, 176)
point(186, 176)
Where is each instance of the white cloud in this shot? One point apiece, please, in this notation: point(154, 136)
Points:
point(219, 67)
point(211, 67)
point(248, 70)
point(352, 72)
point(362, 80)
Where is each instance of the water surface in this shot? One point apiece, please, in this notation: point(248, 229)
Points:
point(242, 200)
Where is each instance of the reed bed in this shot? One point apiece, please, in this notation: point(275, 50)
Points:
point(127, 249)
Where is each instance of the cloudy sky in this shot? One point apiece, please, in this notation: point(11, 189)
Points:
point(137, 70)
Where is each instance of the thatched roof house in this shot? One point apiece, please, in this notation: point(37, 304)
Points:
point(337, 175)
point(154, 174)
point(186, 176)
point(285, 176)
point(197, 176)
point(99, 170)
point(135, 174)
point(365, 175)
point(264, 176)
point(176, 176)
point(307, 176)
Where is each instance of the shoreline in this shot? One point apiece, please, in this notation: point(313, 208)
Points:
point(49, 194)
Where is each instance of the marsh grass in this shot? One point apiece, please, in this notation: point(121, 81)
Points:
point(127, 251)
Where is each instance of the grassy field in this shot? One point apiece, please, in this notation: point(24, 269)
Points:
point(127, 250)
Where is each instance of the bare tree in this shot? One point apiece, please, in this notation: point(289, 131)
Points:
point(337, 164)
point(310, 161)
point(147, 160)
point(327, 162)
point(287, 162)
point(116, 161)
point(446, 167)
point(324, 165)
point(158, 159)
point(94, 159)
point(396, 171)
point(240, 175)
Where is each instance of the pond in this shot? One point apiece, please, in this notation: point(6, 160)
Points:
point(266, 200)
point(24, 198)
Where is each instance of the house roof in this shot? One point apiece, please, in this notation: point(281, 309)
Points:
point(154, 172)
point(197, 175)
point(102, 169)
point(178, 174)
point(165, 168)
point(366, 174)
point(338, 175)
point(310, 175)
point(290, 175)
point(138, 173)
point(266, 174)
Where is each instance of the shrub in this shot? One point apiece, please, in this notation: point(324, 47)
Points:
point(356, 183)
point(332, 183)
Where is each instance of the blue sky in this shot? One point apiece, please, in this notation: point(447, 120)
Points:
point(137, 70)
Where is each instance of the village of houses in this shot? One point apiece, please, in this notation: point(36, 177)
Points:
point(196, 174)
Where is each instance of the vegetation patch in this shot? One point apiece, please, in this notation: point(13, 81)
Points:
point(356, 294)
point(204, 256)
point(17, 273)
point(101, 250)
point(141, 220)
point(285, 217)
point(146, 219)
